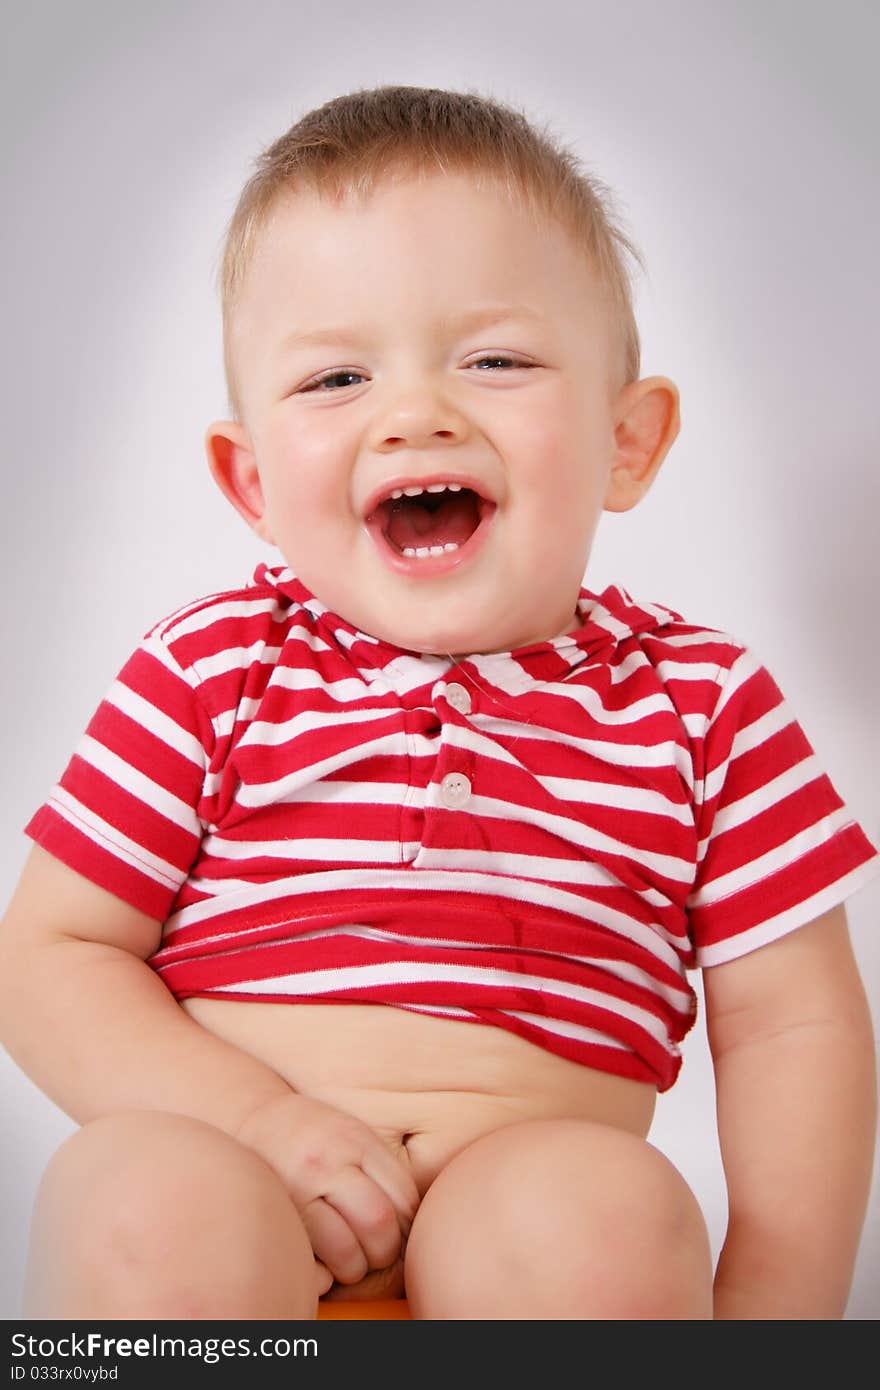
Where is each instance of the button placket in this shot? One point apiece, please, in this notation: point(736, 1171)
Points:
point(455, 788)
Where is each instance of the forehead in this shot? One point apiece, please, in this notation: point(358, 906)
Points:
point(410, 242)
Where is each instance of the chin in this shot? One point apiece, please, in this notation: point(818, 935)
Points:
point(412, 632)
point(439, 645)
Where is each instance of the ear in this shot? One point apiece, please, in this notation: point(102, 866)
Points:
point(647, 425)
point(233, 465)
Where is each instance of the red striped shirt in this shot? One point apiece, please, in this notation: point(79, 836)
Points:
point(543, 840)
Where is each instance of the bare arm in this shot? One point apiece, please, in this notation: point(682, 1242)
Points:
point(793, 1049)
point(93, 1025)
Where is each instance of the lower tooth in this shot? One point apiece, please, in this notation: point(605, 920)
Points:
point(422, 551)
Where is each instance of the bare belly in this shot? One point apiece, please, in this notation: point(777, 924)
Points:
point(428, 1086)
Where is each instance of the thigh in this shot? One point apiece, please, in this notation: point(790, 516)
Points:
point(559, 1219)
point(152, 1214)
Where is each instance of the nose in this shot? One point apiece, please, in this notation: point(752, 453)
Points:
point(417, 417)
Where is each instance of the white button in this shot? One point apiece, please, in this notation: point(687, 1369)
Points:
point(458, 697)
point(455, 790)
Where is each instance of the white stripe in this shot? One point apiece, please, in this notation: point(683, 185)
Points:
point(207, 614)
point(154, 646)
point(263, 734)
point(354, 795)
point(407, 673)
point(589, 700)
point(315, 982)
point(435, 1009)
point(578, 834)
point(562, 1028)
point(752, 736)
point(704, 636)
point(744, 809)
point(585, 874)
point(136, 784)
point(743, 669)
point(301, 778)
point(151, 718)
point(645, 800)
point(554, 1027)
point(678, 999)
point(668, 669)
point(108, 837)
point(299, 679)
point(479, 735)
point(397, 743)
point(782, 857)
point(629, 755)
point(234, 658)
point(384, 881)
point(311, 850)
point(167, 624)
point(592, 912)
point(316, 850)
point(303, 786)
point(346, 691)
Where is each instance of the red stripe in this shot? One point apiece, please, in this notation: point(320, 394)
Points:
point(68, 844)
point(134, 818)
point(797, 882)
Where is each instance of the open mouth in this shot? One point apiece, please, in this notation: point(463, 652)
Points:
point(422, 522)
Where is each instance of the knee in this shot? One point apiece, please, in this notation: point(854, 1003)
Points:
point(638, 1247)
point(566, 1214)
point(153, 1210)
point(131, 1173)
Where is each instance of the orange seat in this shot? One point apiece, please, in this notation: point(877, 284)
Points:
point(380, 1308)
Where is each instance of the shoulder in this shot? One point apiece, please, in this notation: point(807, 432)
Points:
point(238, 626)
point(694, 661)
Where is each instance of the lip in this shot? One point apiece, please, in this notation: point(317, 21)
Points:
point(433, 565)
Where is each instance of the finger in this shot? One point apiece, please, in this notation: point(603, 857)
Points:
point(378, 1284)
point(396, 1181)
point(333, 1242)
point(369, 1212)
point(323, 1278)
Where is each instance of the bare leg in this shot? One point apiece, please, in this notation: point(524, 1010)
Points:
point(559, 1219)
point(146, 1214)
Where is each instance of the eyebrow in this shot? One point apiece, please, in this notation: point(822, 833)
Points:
point(470, 319)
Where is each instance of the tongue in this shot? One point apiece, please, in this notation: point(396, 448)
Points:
point(413, 525)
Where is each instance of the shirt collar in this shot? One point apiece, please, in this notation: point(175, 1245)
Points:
point(605, 619)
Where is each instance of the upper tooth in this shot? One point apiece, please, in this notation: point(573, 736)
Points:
point(416, 491)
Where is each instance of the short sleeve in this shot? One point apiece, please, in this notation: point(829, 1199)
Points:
point(777, 847)
point(125, 811)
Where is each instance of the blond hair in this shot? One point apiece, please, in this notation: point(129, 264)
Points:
point(352, 143)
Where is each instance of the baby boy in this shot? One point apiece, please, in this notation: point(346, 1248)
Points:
point(355, 935)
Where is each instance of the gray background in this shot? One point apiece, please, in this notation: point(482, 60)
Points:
point(741, 139)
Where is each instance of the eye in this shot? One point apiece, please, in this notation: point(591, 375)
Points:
point(328, 377)
point(498, 357)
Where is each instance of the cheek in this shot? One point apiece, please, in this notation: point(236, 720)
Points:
point(555, 430)
point(306, 472)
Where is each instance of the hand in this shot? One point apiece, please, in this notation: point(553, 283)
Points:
point(356, 1199)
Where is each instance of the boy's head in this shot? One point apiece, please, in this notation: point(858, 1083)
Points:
point(384, 228)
